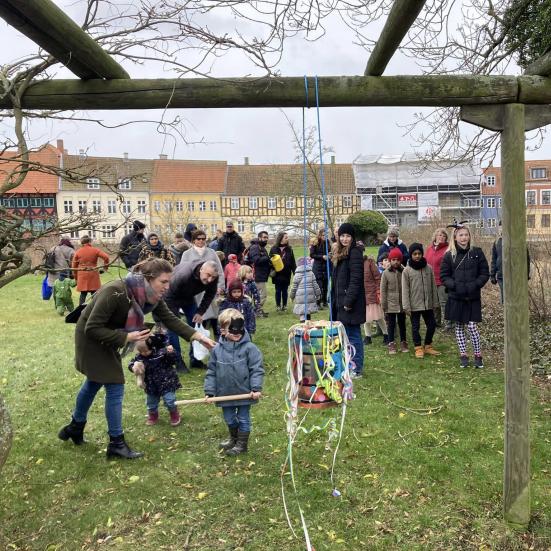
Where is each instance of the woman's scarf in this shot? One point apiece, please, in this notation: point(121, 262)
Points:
point(155, 248)
point(418, 264)
point(200, 250)
point(143, 299)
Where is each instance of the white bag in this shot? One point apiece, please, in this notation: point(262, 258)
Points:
point(200, 352)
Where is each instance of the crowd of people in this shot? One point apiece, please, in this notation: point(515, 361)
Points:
point(220, 287)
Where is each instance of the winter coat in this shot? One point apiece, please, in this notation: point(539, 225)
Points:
point(234, 368)
point(434, 255)
point(347, 288)
point(231, 272)
point(245, 306)
point(63, 258)
point(497, 259)
point(419, 291)
point(162, 252)
point(62, 291)
point(85, 269)
point(191, 255)
point(317, 252)
point(178, 249)
point(100, 332)
point(372, 282)
point(386, 247)
point(289, 264)
point(391, 291)
point(251, 290)
point(130, 247)
point(160, 374)
point(464, 277)
point(260, 261)
point(186, 284)
point(231, 243)
point(302, 293)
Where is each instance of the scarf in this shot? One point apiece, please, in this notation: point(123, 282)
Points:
point(155, 248)
point(418, 264)
point(143, 299)
point(200, 250)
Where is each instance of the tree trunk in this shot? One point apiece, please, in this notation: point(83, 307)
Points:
point(5, 432)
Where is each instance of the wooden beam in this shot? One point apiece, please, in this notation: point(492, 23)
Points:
point(516, 480)
point(47, 25)
point(542, 66)
point(402, 15)
point(345, 91)
point(491, 116)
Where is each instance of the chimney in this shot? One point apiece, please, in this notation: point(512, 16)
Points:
point(246, 160)
point(59, 145)
point(332, 159)
point(163, 156)
point(125, 156)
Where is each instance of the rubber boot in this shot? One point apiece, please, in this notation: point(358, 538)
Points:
point(231, 441)
point(119, 448)
point(241, 445)
point(74, 430)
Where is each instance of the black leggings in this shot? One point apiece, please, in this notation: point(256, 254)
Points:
point(391, 325)
point(322, 282)
point(83, 294)
point(430, 322)
point(281, 294)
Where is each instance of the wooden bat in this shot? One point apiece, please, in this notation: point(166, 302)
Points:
point(214, 399)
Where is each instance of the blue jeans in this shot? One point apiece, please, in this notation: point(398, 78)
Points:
point(152, 401)
point(114, 393)
point(281, 294)
point(189, 311)
point(354, 333)
point(238, 416)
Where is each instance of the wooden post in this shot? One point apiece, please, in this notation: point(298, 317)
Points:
point(516, 480)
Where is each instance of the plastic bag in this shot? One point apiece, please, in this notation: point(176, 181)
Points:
point(46, 289)
point(200, 352)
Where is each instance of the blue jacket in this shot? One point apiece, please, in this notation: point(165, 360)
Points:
point(245, 306)
point(234, 368)
point(386, 247)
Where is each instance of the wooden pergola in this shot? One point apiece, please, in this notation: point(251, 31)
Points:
point(509, 104)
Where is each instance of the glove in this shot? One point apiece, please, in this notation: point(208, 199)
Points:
point(493, 280)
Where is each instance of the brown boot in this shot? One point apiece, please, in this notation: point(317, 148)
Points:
point(404, 347)
point(431, 351)
point(419, 352)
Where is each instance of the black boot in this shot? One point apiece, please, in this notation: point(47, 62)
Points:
point(181, 366)
point(231, 441)
point(74, 430)
point(241, 445)
point(119, 448)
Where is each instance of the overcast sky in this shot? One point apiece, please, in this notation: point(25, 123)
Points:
point(263, 135)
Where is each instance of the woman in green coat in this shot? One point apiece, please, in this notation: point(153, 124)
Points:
point(114, 318)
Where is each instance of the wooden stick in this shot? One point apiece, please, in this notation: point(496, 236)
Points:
point(214, 399)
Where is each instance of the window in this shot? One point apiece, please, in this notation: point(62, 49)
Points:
point(68, 207)
point(538, 173)
point(491, 180)
point(531, 221)
point(73, 234)
point(48, 201)
point(128, 229)
point(499, 203)
point(202, 206)
point(22, 202)
point(272, 203)
point(82, 206)
point(125, 207)
point(492, 222)
point(92, 183)
point(481, 223)
point(157, 205)
point(530, 197)
point(290, 203)
point(203, 227)
point(9, 203)
point(212, 205)
point(491, 202)
point(240, 226)
point(96, 206)
point(36, 202)
point(108, 231)
point(168, 206)
point(347, 201)
point(310, 203)
point(92, 232)
point(213, 228)
point(545, 197)
point(234, 203)
point(330, 201)
point(125, 183)
point(179, 206)
point(253, 203)
point(141, 206)
point(546, 220)
point(111, 207)
point(190, 206)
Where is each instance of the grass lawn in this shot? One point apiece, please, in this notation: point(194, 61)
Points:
point(408, 481)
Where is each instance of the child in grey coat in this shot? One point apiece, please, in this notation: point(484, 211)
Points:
point(235, 367)
point(305, 290)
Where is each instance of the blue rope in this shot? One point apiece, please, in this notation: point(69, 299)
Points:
point(305, 190)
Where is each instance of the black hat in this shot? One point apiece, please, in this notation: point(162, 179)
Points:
point(137, 225)
point(237, 326)
point(347, 228)
point(415, 247)
point(156, 341)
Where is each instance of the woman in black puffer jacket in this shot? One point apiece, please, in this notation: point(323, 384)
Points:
point(464, 271)
point(347, 290)
point(318, 252)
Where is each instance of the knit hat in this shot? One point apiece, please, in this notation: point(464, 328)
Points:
point(137, 225)
point(235, 285)
point(303, 261)
point(395, 252)
point(416, 247)
point(232, 257)
point(347, 228)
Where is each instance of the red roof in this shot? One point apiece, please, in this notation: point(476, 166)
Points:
point(189, 176)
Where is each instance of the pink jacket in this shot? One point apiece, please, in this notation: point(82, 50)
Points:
point(230, 272)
